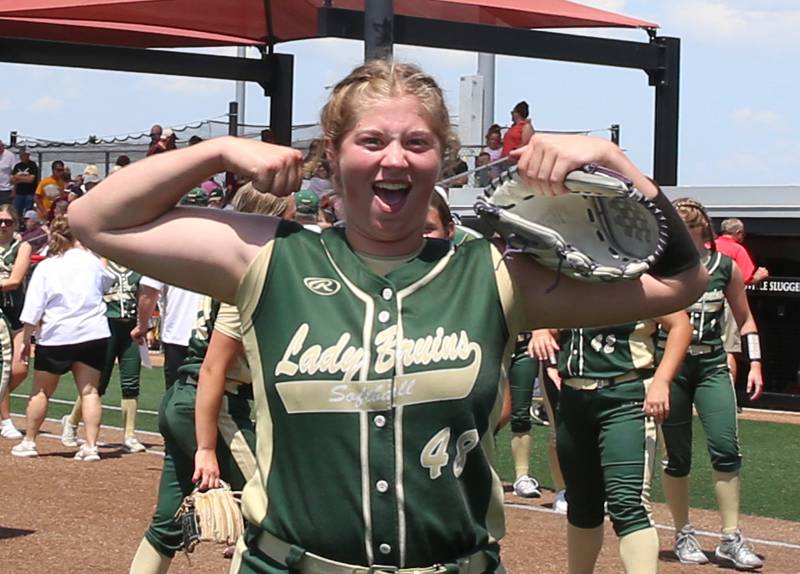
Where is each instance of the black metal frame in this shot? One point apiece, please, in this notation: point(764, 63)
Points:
point(273, 72)
point(659, 58)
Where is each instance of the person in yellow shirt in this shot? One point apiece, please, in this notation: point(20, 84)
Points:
point(50, 189)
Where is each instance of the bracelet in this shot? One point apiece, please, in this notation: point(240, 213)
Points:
point(752, 346)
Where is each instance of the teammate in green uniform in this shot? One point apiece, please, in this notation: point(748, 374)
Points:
point(15, 260)
point(612, 398)
point(120, 299)
point(521, 377)
point(704, 381)
point(376, 354)
point(213, 387)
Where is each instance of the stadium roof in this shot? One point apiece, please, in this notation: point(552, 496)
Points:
point(184, 23)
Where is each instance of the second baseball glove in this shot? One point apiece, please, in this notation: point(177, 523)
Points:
point(604, 230)
point(212, 515)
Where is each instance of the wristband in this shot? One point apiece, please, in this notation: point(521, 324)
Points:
point(752, 346)
point(680, 254)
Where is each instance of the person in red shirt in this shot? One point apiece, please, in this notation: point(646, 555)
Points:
point(729, 243)
point(520, 131)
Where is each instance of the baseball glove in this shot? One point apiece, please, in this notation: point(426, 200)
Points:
point(605, 230)
point(212, 515)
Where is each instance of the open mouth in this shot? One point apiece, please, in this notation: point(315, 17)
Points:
point(391, 196)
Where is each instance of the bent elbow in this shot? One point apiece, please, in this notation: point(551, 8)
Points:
point(81, 222)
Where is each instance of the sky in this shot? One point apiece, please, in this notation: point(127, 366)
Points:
point(739, 90)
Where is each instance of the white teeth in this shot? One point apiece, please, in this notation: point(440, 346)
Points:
point(392, 186)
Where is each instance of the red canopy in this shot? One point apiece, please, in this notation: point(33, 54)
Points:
point(178, 23)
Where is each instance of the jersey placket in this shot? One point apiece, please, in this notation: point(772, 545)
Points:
point(385, 485)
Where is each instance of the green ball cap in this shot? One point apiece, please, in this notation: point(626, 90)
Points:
point(195, 197)
point(306, 201)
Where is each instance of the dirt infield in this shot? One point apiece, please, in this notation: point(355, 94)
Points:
point(59, 515)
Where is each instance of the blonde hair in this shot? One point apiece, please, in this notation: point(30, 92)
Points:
point(249, 200)
point(378, 81)
point(61, 237)
point(694, 215)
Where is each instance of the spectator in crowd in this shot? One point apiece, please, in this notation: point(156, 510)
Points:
point(484, 176)
point(312, 158)
point(267, 136)
point(155, 138)
point(7, 162)
point(454, 165)
point(320, 182)
point(89, 178)
point(731, 243)
point(195, 139)
point(50, 189)
point(166, 142)
point(24, 177)
point(15, 259)
point(65, 302)
point(123, 160)
point(34, 232)
point(521, 129)
point(307, 209)
point(494, 142)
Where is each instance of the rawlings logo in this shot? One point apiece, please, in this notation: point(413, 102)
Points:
point(322, 285)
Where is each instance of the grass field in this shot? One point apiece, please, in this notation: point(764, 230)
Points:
point(771, 472)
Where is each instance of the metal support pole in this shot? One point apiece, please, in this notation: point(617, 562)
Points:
point(667, 85)
point(233, 118)
point(108, 162)
point(240, 88)
point(486, 69)
point(615, 133)
point(233, 128)
point(280, 92)
point(378, 29)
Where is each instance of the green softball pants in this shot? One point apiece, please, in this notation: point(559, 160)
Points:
point(521, 377)
point(123, 350)
point(703, 381)
point(235, 447)
point(606, 447)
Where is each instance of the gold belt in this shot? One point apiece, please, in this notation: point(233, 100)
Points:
point(310, 563)
point(584, 384)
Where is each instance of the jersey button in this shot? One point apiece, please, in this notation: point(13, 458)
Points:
point(380, 421)
point(385, 548)
point(382, 486)
point(384, 316)
point(386, 293)
point(575, 352)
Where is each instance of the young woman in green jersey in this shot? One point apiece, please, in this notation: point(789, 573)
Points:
point(376, 354)
point(613, 394)
point(15, 260)
point(704, 382)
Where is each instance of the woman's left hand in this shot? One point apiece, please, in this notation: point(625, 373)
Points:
point(547, 159)
point(656, 403)
point(755, 382)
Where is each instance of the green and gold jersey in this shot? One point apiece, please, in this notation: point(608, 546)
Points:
point(208, 313)
point(122, 296)
point(201, 335)
point(10, 300)
point(386, 389)
point(607, 352)
point(706, 313)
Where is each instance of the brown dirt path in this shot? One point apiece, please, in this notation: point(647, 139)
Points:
point(59, 515)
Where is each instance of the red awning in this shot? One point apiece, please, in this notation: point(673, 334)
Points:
point(177, 23)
